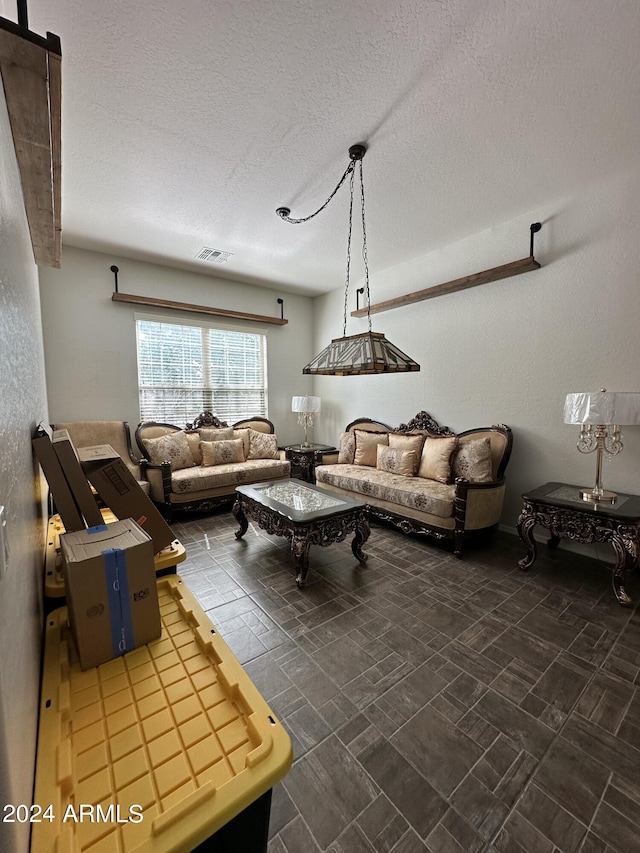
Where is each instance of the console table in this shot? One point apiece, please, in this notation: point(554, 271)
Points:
point(559, 508)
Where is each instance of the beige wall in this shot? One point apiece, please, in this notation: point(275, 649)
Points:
point(22, 406)
point(511, 350)
point(508, 351)
point(90, 344)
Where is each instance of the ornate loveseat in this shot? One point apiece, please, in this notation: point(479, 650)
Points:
point(421, 476)
point(199, 467)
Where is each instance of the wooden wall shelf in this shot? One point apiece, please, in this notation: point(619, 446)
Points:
point(31, 76)
point(198, 309)
point(484, 277)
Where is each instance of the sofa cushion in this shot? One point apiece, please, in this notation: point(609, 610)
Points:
point(222, 452)
point(473, 461)
point(229, 474)
point(396, 461)
point(172, 447)
point(403, 441)
point(435, 461)
point(211, 434)
point(195, 436)
point(370, 483)
point(262, 445)
point(194, 445)
point(347, 447)
point(244, 435)
point(366, 452)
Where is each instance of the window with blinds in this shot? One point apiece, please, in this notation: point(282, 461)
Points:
point(187, 369)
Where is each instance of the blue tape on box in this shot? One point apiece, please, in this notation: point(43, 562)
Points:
point(98, 528)
point(115, 561)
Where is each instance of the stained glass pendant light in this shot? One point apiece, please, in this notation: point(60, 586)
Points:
point(367, 352)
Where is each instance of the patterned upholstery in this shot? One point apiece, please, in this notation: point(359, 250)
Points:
point(205, 485)
point(228, 474)
point(413, 492)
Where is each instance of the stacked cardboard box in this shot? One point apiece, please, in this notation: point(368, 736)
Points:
point(110, 585)
point(109, 571)
point(67, 471)
point(120, 491)
point(60, 489)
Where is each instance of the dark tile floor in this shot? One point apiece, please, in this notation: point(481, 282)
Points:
point(435, 704)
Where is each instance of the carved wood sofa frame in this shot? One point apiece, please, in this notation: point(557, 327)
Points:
point(424, 422)
point(211, 502)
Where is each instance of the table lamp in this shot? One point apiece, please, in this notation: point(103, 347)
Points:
point(306, 407)
point(600, 415)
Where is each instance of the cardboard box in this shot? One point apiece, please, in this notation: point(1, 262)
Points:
point(110, 584)
point(62, 495)
point(76, 478)
point(120, 491)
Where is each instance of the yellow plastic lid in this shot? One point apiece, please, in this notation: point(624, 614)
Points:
point(154, 750)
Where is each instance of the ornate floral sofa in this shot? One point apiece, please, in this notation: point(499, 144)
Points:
point(199, 467)
point(421, 476)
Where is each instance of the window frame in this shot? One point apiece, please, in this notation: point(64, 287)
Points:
point(207, 387)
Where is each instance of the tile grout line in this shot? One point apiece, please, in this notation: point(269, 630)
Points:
point(489, 844)
point(450, 640)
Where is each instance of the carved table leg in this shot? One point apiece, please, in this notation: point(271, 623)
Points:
point(553, 542)
point(361, 535)
point(624, 560)
point(526, 523)
point(241, 518)
point(300, 545)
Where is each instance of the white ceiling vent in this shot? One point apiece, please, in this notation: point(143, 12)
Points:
point(214, 256)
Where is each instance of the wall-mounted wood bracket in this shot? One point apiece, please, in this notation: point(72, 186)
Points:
point(505, 271)
point(195, 309)
point(30, 66)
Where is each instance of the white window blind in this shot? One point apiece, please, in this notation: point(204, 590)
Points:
point(186, 369)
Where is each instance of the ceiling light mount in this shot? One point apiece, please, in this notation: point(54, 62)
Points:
point(368, 352)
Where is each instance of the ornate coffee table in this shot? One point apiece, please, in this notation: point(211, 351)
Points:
point(559, 508)
point(306, 514)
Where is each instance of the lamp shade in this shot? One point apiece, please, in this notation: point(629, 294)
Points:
point(305, 404)
point(603, 407)
point(358, 355)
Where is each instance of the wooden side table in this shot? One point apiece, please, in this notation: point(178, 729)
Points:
point(559, 508)
point(306, 458)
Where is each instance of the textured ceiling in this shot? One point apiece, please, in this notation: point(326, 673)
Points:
point(185, 124)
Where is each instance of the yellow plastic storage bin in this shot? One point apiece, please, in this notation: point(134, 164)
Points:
point(156, 750)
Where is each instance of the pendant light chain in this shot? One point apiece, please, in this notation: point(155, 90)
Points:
point(366, 352)
point(346, 287)
point(365, 258)
point(283, 212)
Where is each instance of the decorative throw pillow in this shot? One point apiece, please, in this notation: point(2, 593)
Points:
point(194, 444)
point(172, 447)
point(346, 448)
point(262, 445)
point(244, 435)
point(222, 452)
point(473, 461)
point(211, 434)
point(396, 461)
point(403, 441)
point(366, 446)
point(435, 461)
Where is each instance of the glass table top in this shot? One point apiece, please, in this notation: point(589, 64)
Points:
point(571, 493)
point(296, 495)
